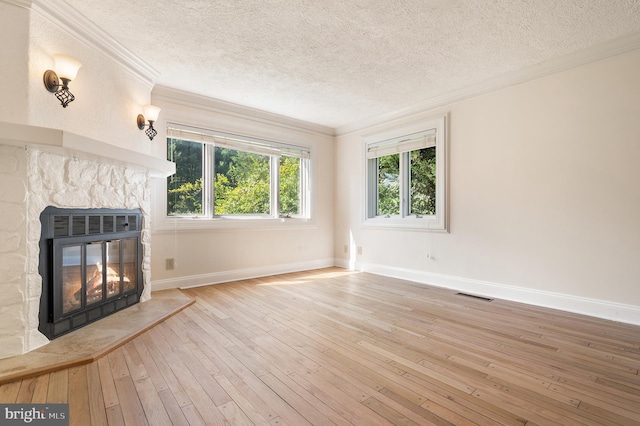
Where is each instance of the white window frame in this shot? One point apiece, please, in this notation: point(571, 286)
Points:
point(402, 139)
point(272, 148)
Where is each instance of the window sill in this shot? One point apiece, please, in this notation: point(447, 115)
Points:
point(427, 224)
point(171, 224)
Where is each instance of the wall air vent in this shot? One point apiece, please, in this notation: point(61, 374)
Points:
point(473, 296)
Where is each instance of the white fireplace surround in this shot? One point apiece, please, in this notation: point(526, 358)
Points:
point(46, 167)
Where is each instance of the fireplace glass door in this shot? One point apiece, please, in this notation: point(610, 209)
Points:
point(94, 274)
point(71, 278)
point(129, 266)
point(85, 281)
point(113, 268)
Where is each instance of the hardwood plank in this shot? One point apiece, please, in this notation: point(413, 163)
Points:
point(295, 400)
point(152, 404)
point(246, 401)
point(526, 409)
point(150, 365)
point(107, 385)
point(351, 411)
point(205, 380)
point(96, 400)
point(235, 415)
point(182, 398)
point(173, 408)
point(242, 378)
point(25, 393)
point(118, 364)
point(421, 410)
point(115, 416)
point(462, 402)
point(9, 392)
point(40, 389)
point(192, 415)
point(610, 405)
point(452, 418)
point(202, 402)
point(388, 413)
point(168, 375)
point(132, 411)
point(58, 389)
point(79, 410)
point(133, 360)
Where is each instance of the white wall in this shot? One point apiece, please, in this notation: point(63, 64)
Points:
point(109, 92)
point(544, 195)
point(14, 56)
point(219, 252)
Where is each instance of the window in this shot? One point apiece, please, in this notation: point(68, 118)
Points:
point(406, 170)
point(220, 175)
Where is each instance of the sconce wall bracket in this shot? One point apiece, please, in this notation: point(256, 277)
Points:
point(150, 132)
point(51, 81)
point(61, 91)
point(140, 121)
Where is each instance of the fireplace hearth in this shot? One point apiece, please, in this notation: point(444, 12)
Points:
point(91, 266)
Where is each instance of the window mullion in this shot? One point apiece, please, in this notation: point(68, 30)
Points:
point(274, 193)
point(404, 184)
point(208, 180)
point(372, 188)
point(305, 182)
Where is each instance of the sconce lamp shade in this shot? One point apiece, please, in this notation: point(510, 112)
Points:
point(66, 67)
point(151, 112)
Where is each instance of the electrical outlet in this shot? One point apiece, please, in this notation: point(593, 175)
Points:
point(346, 249)
point(169, 264)
point(359, 250)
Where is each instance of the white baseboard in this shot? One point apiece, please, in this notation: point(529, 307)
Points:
point(629, 314)
point(238, 274)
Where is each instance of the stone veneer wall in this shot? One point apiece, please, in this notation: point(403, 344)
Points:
point(32, 179)
point(14, 299)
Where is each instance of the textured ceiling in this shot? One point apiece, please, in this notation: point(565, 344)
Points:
point(336, 62)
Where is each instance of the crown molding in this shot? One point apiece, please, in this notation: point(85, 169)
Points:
point(187, 99)
point(603, 51)
point(87, 32)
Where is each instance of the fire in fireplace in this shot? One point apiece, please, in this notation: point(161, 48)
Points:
point(91, 266)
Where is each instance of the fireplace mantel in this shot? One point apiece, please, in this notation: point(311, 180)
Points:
point(43, 138)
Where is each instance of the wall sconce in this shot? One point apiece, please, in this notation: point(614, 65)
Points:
point(67, 69)
point(151, 113)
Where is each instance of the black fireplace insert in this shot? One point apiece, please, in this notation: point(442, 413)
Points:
point(91, 266)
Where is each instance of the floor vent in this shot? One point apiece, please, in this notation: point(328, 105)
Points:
point(473, 296)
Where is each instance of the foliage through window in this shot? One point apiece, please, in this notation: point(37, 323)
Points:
point(224, 175)
point(406, 176)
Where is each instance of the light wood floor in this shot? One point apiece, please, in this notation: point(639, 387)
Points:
point(332, 347)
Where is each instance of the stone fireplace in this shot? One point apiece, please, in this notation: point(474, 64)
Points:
point(40, 168)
